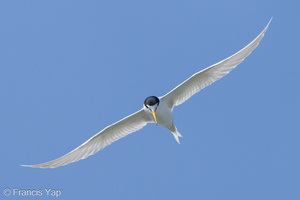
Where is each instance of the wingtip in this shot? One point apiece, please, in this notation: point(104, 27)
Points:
point(266, 28)
point(26, 165)
point(269, 21)
point(35, 166)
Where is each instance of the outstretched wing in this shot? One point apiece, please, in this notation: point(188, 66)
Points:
point(105, 137)
point(209, 75)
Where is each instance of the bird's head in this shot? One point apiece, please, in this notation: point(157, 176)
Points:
point(151, 103)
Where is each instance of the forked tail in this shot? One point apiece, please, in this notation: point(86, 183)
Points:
point(176, 135)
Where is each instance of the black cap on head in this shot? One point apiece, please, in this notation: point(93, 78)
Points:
point(150, 101)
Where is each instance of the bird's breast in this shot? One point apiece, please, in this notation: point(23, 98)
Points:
point(164, 115)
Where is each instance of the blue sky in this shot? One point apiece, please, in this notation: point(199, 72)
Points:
point(66, 65)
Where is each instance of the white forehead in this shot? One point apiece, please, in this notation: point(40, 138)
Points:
point(153, 107)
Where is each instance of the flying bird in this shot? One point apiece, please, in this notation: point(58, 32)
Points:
point(156, 109)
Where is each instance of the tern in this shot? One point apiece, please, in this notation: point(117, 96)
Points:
point(156, 109)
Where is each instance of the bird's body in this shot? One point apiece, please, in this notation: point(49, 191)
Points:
point(163, 116)
point(156, 109)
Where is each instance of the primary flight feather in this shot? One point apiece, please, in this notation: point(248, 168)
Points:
point(156, 109)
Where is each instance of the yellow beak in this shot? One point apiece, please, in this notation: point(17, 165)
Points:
point(154, 116)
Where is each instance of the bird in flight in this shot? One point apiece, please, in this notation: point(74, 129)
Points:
point(156, 109)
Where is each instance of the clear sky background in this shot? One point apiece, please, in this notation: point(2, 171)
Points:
point(70, 68)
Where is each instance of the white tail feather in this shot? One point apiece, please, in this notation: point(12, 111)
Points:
point(176, 135)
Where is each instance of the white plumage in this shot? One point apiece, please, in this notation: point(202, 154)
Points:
point(156, 109)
